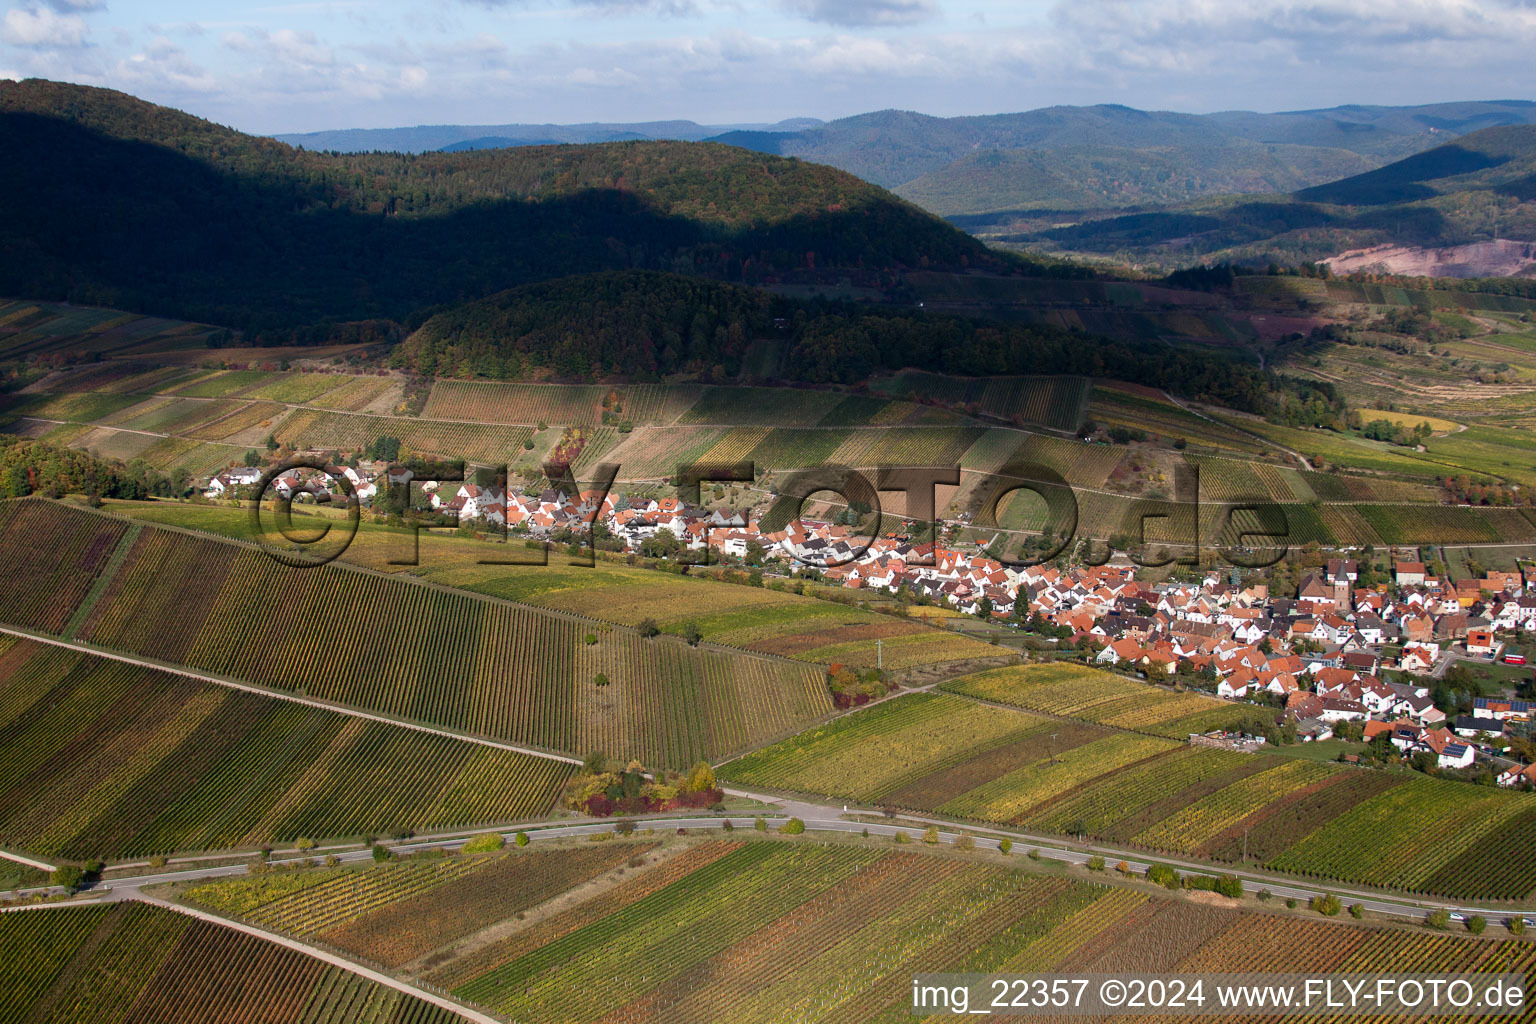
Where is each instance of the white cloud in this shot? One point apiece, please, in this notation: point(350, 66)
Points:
point(7, 75)
point(42, 28)
point(163, 65)
point(863, 13)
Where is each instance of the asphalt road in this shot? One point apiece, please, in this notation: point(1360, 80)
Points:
point(820, 818)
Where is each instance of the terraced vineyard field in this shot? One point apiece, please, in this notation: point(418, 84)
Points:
point(1135, 410)
point(769, 930)
point(1056, 402)
point(877, 752)
point(220, 383)
point(133, 962)
point(395, 912)
point(1076, 691)
point(756, 619)
point(481, 443)
point(39, 328)
point(1081, 777)
point(487, 402)
point(775, 407)
point(354, 395)
point(105, 759)
point(431, 655)
point(765, 621)
point(298, 388)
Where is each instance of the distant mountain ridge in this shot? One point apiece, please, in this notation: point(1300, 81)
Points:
point(1102, 157)
point(460, 137)
point(892, 147)
point(1476, 189)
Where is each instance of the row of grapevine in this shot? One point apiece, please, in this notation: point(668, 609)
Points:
point(49, 558)
point(1300, 816)
point(490, 402)
point(138, 964)
point(427, 654)
point(106, 759)
point(486, 444)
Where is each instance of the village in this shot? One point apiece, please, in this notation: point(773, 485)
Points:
point(1320, 654)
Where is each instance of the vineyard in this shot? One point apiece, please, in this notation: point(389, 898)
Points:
point(395, 912)
point(140, 964)
point(775, 407)
point(481, 443)
point(754, 619)
point(764, 930)
point(929, 753)
point(38, 328)
point(868, 755)
point(298, 388)
point(254, 414)
point(104, 759)
point(485, 402)
point(1076, 691)
point(1056, 402)
point(425, 654)
point(354, 395)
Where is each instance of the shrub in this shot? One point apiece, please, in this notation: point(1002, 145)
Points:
point(1265, 895)
point(67, 877)
point(158, 861)
point(1005, 847)
point(590, 638)
point(381, 854)
point(1163, 875)
point(1229, 886)
point(1356, 911)
point(1476, 923)
point(1327, 905)
point(521, 839)
point(759, 824)
point(331, 860)
point(600, 680)
point(488, 842)
point(1437, 918)
point(257, 865)
point(693, 634)
point(792, 827)
point(1290, 902)
point(730, 826)
point(1095, 863)
point(931, 835)
point(1516, 925)
point(648, 628)
point(1034, 854)
point(625, 828)
point(1123, 868)
point(701, 778)
point(901, 837)
point(965, 843)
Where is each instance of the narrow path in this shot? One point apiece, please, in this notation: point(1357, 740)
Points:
point(1233, 426)
point(28, 861)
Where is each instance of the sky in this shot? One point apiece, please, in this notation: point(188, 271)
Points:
point(319, 64)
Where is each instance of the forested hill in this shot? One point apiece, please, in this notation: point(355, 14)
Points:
point(639, 324)
point(123, 203)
